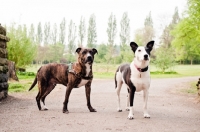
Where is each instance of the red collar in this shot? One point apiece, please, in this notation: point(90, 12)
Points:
point(141, 69)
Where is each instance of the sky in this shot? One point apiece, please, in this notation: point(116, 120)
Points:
point(53, 11)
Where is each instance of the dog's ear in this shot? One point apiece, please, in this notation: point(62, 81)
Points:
point(150, 45)
point(134, 46)
point(94, 51)
point(78, 50)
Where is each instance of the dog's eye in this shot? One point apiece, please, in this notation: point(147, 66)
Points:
point(139, 50)
point(90, 52)
point(84, 52)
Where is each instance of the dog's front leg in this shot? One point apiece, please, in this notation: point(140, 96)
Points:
point(87, 92)
point(131, 95)
point(65, 103)
point(145, 95)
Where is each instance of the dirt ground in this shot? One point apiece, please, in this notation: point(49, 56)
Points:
point(170, 110)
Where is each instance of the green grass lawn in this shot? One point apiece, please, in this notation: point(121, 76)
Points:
point(104, 71)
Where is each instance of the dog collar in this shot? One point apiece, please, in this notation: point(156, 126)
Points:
point(141, 69)
point(78, 75)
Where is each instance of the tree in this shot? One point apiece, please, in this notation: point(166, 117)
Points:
point(81, 32)
point(111, 32)
point(92, 35)
point(39, 36)
point(186, 33)
point(148, 32)
point(71, 37)
point(21, 48)
point(164, 59)
point(54, 34)
point(166, 37)
point(32, 33)
point(148, 21)
point(47, 33)
point(62, 33)
point(125, 31)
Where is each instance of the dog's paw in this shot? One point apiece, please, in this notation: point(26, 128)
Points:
point(127, 109)
point(146, 115)
point(93, 110)
point(45, 108)
point(119, 110)
point(65, 111)
point(130, 117)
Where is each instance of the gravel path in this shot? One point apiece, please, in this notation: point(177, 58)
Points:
point(170, 110)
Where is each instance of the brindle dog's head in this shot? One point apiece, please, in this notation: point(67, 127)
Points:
point(86, 55)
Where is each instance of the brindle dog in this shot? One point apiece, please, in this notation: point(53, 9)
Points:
point(78, 75)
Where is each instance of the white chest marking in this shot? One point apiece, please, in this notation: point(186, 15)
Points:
point(83, 82)
point(142, 82)
point(87, 69)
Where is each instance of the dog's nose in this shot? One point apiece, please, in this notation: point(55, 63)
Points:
point(89, 58)
point(146, 56)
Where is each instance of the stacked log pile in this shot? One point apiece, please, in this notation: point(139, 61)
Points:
point(3, 63)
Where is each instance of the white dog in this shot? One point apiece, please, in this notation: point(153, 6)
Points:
point(136, 76)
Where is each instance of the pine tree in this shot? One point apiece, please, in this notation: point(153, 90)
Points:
point(125, 31)
point(92, 35)
point(62, 33)
point(81, 32)
point(39, 34)
point(71, 37)
point(46, 33)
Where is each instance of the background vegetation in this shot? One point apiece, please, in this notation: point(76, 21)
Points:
point(179, 43)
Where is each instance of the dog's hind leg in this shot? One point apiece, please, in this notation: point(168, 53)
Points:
point(118, 89)
point(48, 90)
point(145, 96)
point(38, 100)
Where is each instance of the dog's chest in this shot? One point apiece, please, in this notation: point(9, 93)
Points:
point(140, 83)
point(82, 83)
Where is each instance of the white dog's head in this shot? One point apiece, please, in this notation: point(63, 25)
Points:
point(142, 54)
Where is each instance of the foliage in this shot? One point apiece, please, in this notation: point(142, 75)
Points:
point(71, 37)
point(54, 34)
point(187, 33)
point(81, 32)
point(39, 35)
point(111, 32)
point(62, 32)
point(125, 31)
point(21, 49)
point(92, 35)
point(145, 34)
point(47, 33)
point(166, 38)
point(164, 59)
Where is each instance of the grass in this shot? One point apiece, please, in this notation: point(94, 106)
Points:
point(104, 71)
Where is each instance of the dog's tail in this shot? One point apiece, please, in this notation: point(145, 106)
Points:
point(35, 81)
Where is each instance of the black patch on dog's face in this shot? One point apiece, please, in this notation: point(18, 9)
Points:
point(86, 55)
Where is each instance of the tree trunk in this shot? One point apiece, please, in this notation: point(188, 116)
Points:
point(191, 61)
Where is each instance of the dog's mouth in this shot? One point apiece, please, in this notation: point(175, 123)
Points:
point(89, 60)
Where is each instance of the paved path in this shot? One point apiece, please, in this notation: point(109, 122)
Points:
point(170, 110)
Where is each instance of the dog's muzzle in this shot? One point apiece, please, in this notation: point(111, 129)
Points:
point(89, 60)
point(146, 57)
